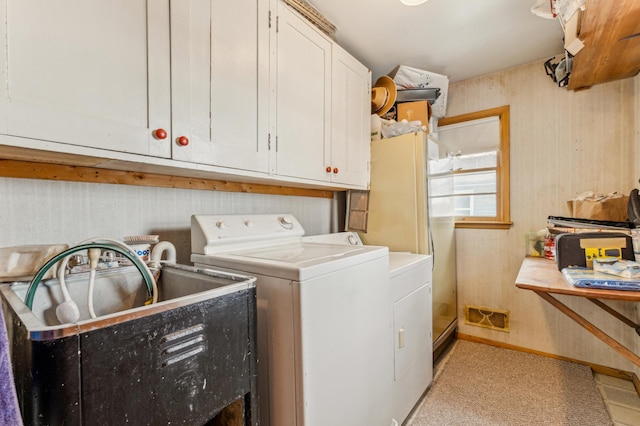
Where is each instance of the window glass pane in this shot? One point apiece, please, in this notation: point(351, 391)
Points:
point(478, 135)
point(469, 183)
point(440, 185)
point(475, 205)
point(441, 207)
point(442, 165)
point(481, 160)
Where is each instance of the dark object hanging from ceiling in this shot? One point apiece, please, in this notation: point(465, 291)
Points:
point(560, 71)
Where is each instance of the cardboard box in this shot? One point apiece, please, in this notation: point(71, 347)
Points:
point(611, 209)
point(412, 111)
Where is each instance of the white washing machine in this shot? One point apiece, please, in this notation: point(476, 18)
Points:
point(410, 278)
point(325, 347)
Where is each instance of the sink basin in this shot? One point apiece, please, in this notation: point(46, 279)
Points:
point(178, 361)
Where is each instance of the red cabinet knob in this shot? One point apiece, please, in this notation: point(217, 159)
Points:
point(183, 140)
point(160, 134)
point(328, 169)
point(335, 170)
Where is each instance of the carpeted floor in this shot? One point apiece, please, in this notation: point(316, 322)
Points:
point(483, 385)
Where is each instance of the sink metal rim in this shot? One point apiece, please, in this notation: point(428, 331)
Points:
point(39, 332)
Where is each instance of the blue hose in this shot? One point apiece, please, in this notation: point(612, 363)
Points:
point(31, 291)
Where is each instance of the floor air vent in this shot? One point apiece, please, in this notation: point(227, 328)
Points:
point(495, 319)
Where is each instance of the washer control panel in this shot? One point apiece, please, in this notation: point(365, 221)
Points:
point(349, 238)
point(215, 233)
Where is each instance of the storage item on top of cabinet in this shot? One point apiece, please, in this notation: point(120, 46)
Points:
point(88, 74)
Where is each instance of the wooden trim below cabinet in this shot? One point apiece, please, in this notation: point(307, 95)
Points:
point(48, 171)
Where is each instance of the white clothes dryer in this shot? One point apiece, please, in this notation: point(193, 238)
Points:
point(325, 347)
point(410, 278)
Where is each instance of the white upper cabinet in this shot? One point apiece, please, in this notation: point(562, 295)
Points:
point(245, 88)
point(349, 153)
point(321, 108)
point(219, 82)
point(85, 73)
point(301, 105)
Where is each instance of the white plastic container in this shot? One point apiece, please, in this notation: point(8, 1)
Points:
point(21, 263)
point(142, 250)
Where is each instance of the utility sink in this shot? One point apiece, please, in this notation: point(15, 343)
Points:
point(178, 361)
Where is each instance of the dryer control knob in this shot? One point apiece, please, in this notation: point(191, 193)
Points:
point(352, 240)
point(221, 225)
point(248, 223)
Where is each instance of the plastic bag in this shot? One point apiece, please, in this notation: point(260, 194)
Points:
point(391, 128)
point(408, 78)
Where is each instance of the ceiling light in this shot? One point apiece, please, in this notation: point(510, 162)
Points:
point(412, 2)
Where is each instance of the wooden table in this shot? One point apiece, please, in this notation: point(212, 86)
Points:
point(542, 277)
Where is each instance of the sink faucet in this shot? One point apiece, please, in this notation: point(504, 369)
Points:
point(68, 307)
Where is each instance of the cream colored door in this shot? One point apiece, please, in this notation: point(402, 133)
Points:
point(397, 201)
point(219, 65)
point(92, 74)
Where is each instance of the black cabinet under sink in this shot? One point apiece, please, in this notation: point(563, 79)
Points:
point(181, 366)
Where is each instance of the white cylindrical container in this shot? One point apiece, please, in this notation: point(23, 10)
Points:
point(142, 250)
point(141, 244)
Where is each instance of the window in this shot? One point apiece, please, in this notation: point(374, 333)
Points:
point(477, 157)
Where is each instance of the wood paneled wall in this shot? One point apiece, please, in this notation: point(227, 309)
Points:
point(562, 143)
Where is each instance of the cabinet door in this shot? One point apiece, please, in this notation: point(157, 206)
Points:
point(92, 74)
point(219, 71)
point(412, 324)
point(302, 90)
point(349, 155)
point(413, 363)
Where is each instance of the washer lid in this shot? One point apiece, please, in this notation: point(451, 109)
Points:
point(296, 261)
point(400, 262)
point(300, 254)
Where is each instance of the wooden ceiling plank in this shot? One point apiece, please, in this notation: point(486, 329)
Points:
point(605, 56)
